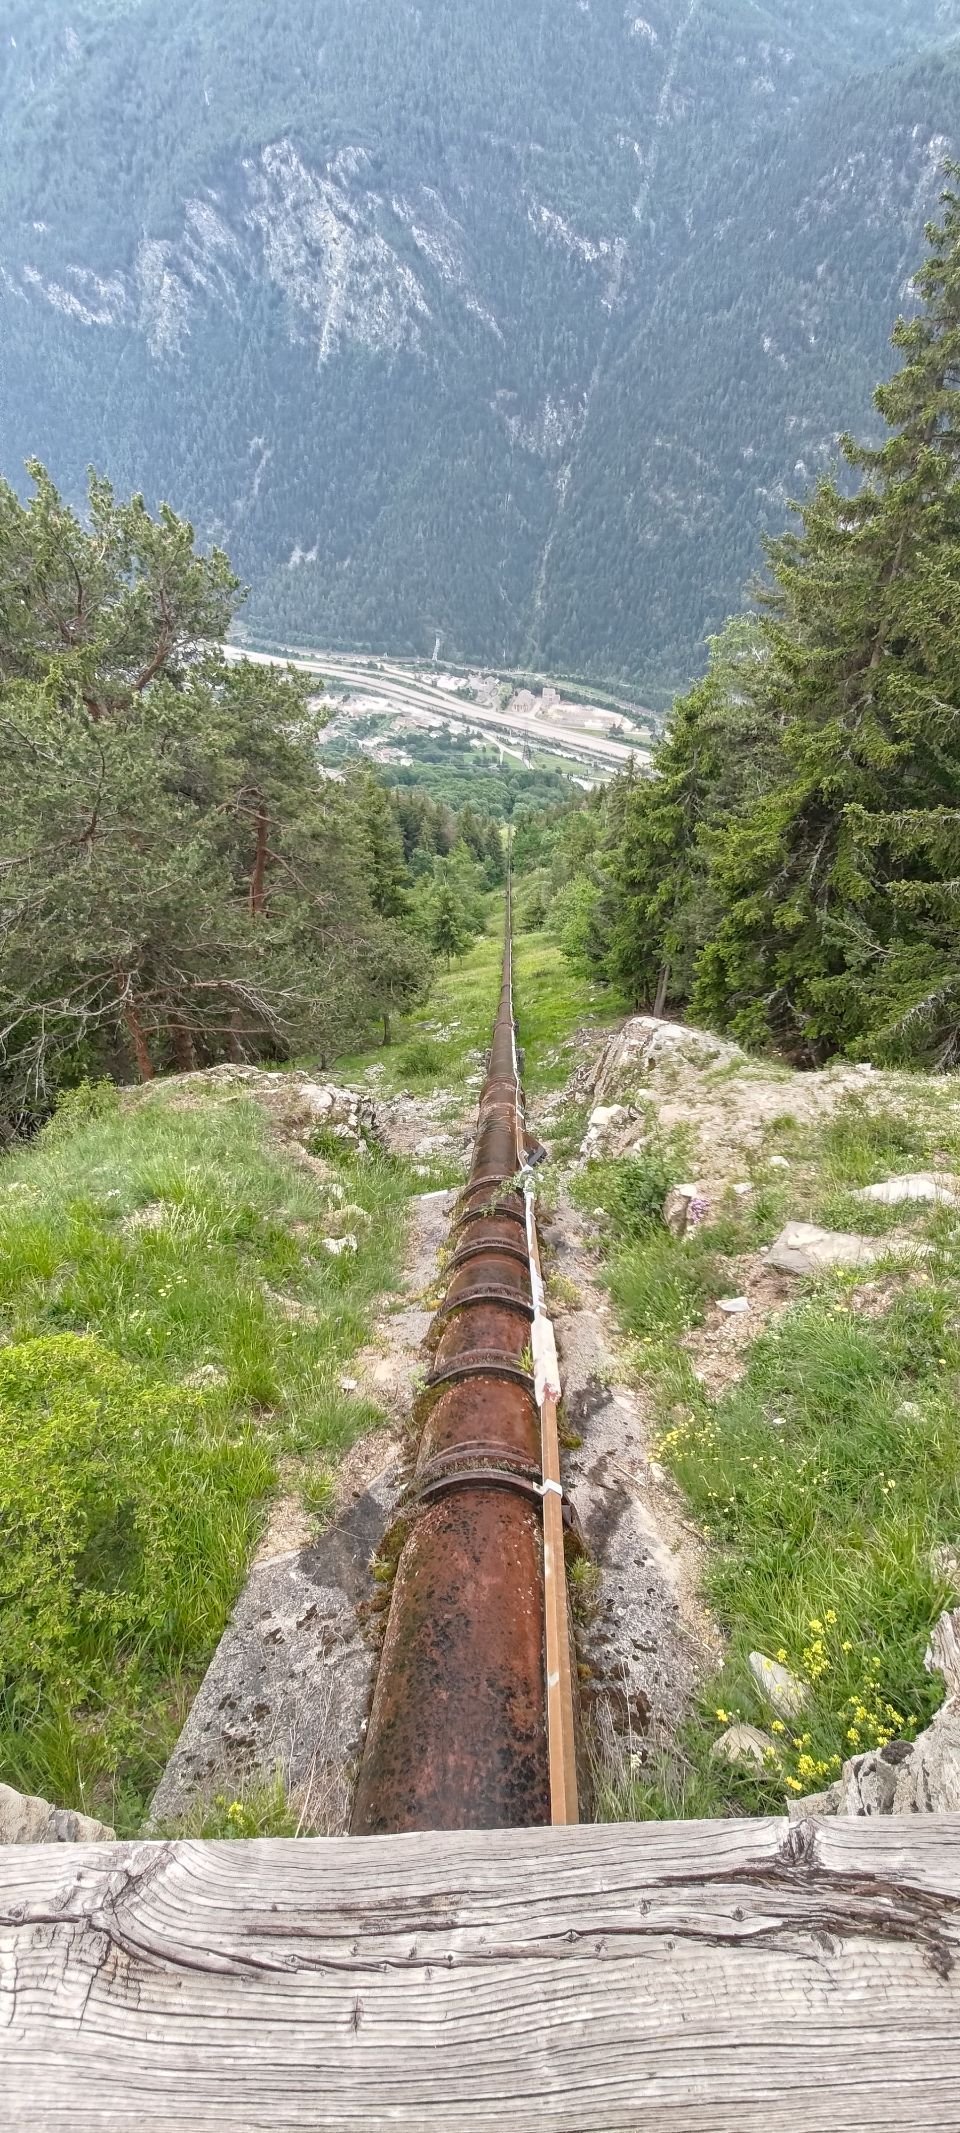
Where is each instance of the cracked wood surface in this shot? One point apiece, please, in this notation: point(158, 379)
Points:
point(718, 1977)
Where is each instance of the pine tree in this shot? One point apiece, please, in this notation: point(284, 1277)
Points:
point(178, 884)
point(448, 929)
point(840, 888)
point(719, 753)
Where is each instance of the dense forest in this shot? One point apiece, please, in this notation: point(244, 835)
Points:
point(181, 882)
point(792, 872)
point(509, 325)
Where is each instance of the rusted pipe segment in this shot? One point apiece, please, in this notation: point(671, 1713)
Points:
point(506, 1220)
point(479, 1363)
point(481, 1325)
point(499, 1095)
point(503, 1416)
point(495, 1235)
point(467, 1477)
point(489, 1195)
point(493, 1274)
point(496, 1148)
point(487, 1292)
point(457, 1734)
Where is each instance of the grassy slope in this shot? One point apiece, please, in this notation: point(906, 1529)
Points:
point(445, 1045)
point(828, 1475)
point(110, 1606)
point(145, 1244)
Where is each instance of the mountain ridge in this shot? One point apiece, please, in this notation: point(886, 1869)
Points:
point(435, 326)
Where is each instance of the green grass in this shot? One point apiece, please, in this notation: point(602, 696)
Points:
point(445, 1045)
point(824, 1479)
point(173, 1327)
point(447, 1041)
point(260, 1810)
point(552, 1003)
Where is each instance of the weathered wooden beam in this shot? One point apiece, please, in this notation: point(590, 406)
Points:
point(721, 1977)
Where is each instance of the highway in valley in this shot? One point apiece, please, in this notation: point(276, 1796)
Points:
point(402, 692)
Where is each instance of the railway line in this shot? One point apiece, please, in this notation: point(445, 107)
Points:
point(473, 1720)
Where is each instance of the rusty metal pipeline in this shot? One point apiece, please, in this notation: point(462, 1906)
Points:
point(472, 1724)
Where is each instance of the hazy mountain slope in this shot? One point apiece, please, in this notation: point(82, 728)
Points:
point(452, 317)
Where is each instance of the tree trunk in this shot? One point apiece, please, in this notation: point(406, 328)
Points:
point(235, 1051)
point(134, 1029)
point(386, 1029)
point(662, 983)
point(184, 1050)
point(258, 879)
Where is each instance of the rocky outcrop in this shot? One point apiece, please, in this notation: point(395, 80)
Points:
point(907, 1777)
point(299, 1105)
point(802, 1248)
point(645, 1042)
point(604, 1126)
point(355, 266)
point(24, 1819)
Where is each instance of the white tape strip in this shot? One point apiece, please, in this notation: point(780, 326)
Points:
point(549, 1488)
point(546, 1366)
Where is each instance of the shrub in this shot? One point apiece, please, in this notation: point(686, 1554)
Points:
point(126, 1515)
point(85, 1105)
point(420, 1061)
point(632, 1191)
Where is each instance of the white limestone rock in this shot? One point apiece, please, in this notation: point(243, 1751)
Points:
point(802, 1248)
point(786, 1696)
point(677, 1206)
point(744, 1744)
point(24, 1819)
point(938, 1187)
point(945, 1564)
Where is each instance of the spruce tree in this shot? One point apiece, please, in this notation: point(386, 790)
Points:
point(448, 929)
point(840, 889)
point(719, 753)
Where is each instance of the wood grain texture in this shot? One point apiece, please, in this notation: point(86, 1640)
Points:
point(721, 1977)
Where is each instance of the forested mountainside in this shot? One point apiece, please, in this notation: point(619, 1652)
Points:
point(513, 323)
point(791, 872)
